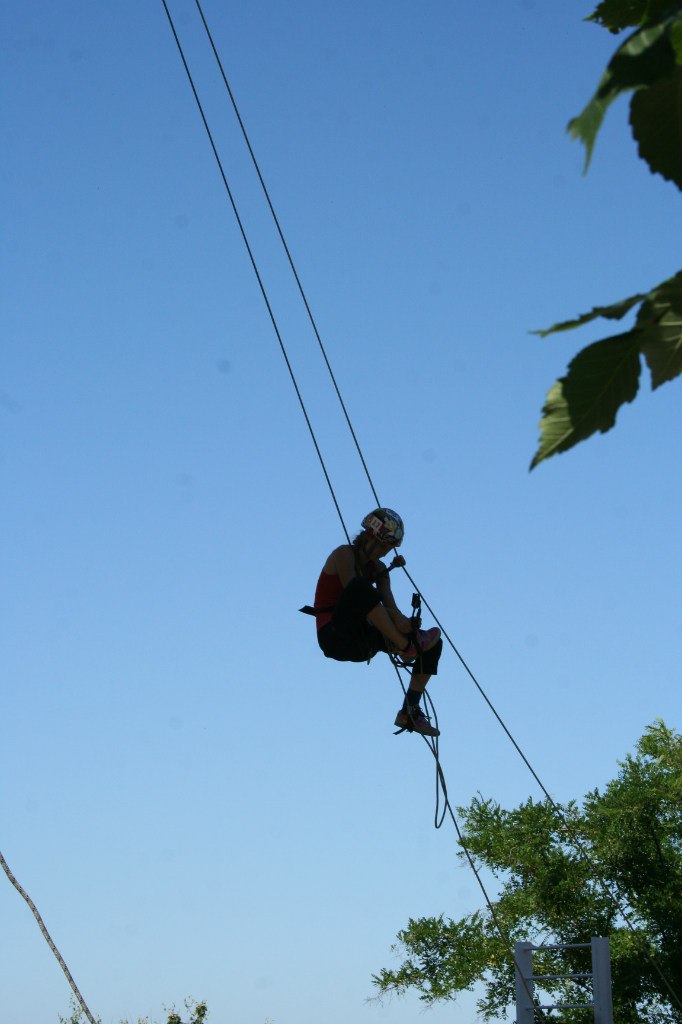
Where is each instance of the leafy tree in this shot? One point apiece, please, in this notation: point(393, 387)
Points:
point(558, 869)
point(605, 374)
point(197, 1013)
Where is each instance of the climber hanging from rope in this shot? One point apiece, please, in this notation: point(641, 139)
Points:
point(357, 616)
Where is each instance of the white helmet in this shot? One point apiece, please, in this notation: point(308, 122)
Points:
point(386, 525)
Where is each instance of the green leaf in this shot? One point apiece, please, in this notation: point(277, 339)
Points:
point(605, 375)
point(656, 121)
point(615, 15)
point(644, 58)
point(676, 40)
point(600, 379)
point(660, 325)
point(615, 311)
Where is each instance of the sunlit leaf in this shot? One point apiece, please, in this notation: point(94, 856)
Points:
point(615, 311)
point(644, 58)
point(600, 379)
point(615, 15)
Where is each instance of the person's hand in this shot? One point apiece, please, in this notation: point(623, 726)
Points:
point(398, 562)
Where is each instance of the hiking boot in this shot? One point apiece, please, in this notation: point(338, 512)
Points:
point(414, 720)
point(421, 641)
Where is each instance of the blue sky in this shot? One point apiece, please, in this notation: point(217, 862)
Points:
point(198, 802)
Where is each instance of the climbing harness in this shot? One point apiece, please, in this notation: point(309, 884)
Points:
point(308, 609)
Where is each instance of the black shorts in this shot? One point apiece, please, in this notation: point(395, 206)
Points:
point(350, 637)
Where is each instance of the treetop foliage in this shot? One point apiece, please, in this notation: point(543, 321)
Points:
point(197, 1013)
point(612, 866)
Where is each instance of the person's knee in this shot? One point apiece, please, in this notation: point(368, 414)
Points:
point(427, 663)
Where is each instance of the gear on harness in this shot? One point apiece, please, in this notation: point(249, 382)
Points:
point(308, 609)
point(416, 617)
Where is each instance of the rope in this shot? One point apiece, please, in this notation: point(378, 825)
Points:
point(48, 939)
point(440, 777)
point(575, 839)
point(288, 254)
point(255, 268)
point(480, 689)
point(321, 345)
point(293, 378)
point(441, 786)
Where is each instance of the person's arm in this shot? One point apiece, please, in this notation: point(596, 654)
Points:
point(388, 600)
point(344, 564)
point(383, 585)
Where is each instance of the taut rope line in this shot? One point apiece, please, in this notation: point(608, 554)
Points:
point(48, 938)
point(574, 839)
point(286, 250)
point(255, 266)
point(320, 343)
